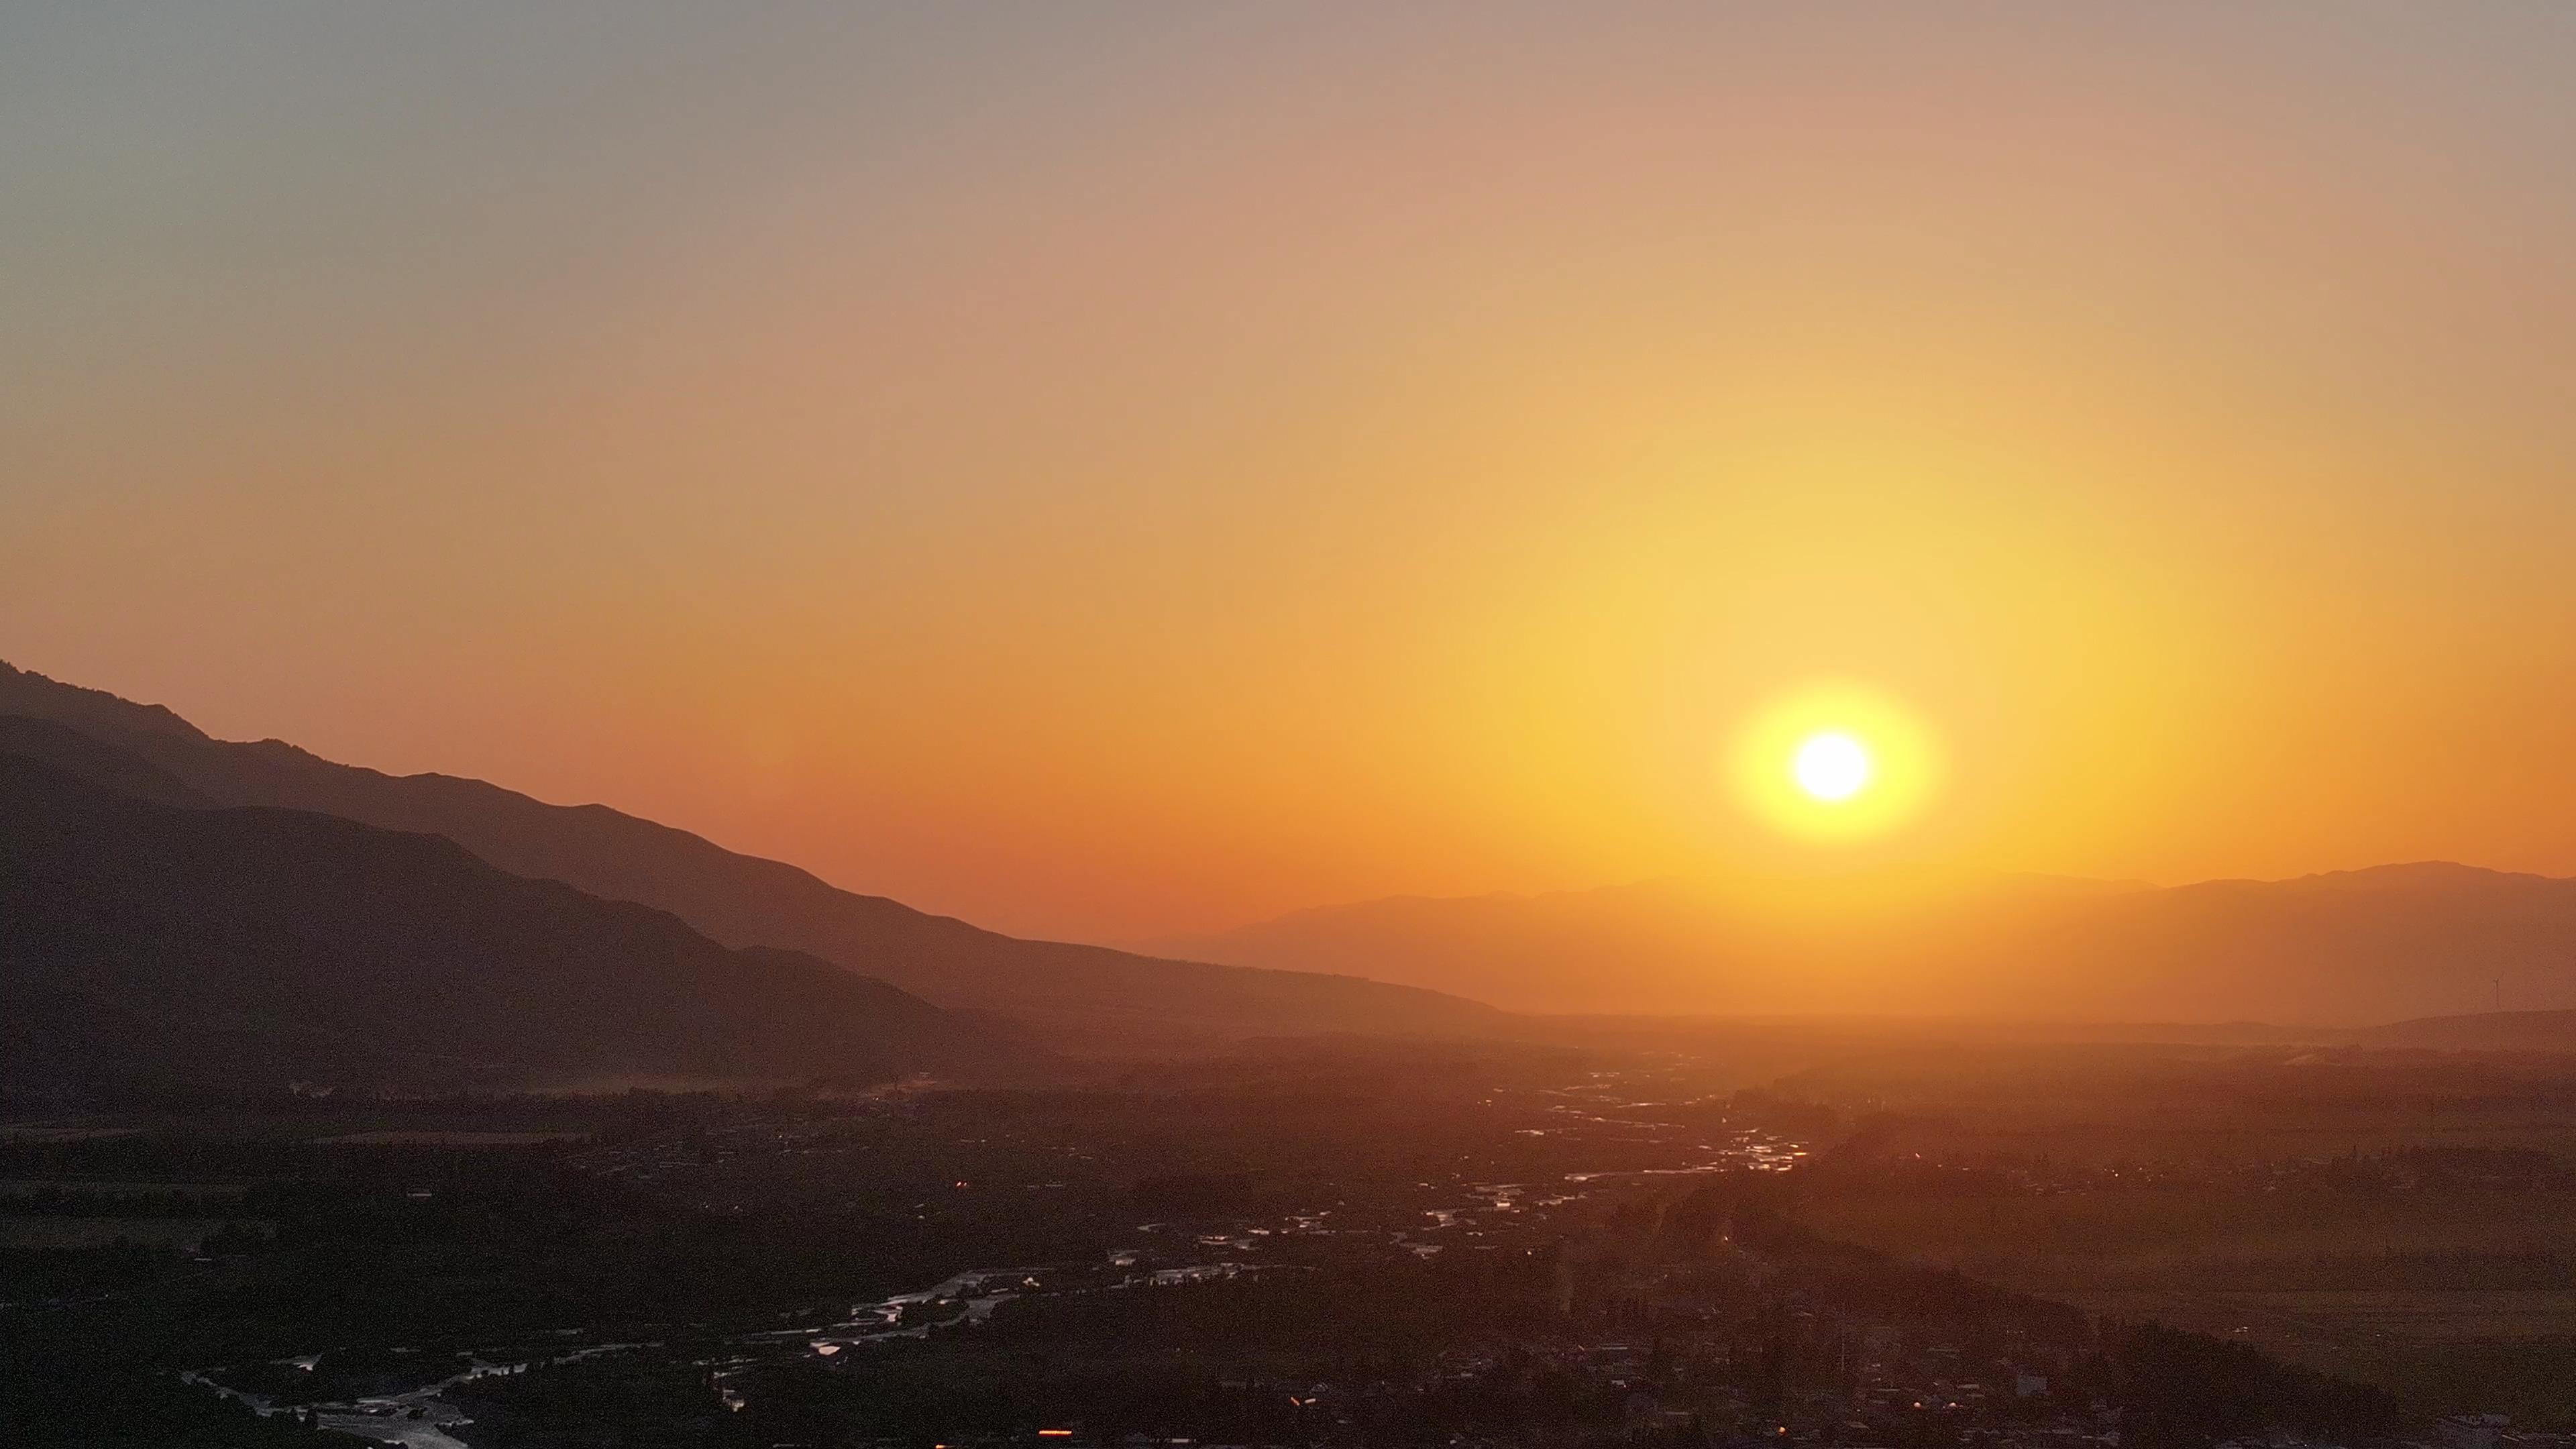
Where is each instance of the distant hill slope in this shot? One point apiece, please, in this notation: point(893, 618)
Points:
point(2348, 949)
point(144, 944)
point(1082, 999)
point(2485, 1031)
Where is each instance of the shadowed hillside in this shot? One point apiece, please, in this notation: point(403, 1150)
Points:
point(144, 945)
point(1084, 999)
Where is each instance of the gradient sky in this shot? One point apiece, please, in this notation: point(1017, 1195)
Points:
point(1107, 471)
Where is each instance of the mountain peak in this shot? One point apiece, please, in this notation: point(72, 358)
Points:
point(2415, 875)
point(25, 692)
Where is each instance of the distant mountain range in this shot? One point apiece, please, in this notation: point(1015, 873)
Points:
point(180, 909)
point(2347, 949)
point(1082, 1000)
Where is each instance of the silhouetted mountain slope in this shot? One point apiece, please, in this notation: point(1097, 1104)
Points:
point(2348, 949)
point(75, 754)
point(1085, 999)
point(252, 947)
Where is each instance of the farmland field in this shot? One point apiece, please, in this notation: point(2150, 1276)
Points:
point(2440, 1297)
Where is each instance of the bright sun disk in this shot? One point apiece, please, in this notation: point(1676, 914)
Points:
point(1833, 762)
point(1831, 766)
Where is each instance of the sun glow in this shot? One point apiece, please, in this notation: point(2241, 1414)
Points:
point(1833, 762)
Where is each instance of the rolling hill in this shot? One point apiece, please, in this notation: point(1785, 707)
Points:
point(2551, 1032)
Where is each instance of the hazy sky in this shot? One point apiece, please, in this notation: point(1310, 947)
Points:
point(1108, 471)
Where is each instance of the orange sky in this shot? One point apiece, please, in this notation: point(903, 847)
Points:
point(1128, 472)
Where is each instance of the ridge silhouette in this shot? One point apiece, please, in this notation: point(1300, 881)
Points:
point(1083, 1000)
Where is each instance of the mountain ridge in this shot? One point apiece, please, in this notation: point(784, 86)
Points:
point(1091, 1000)
point(245, 947)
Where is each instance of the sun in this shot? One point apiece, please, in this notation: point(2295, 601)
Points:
point(1831, 766)
point(1834, 762)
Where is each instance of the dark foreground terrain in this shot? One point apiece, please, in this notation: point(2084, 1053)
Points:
point(1320, 1244)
